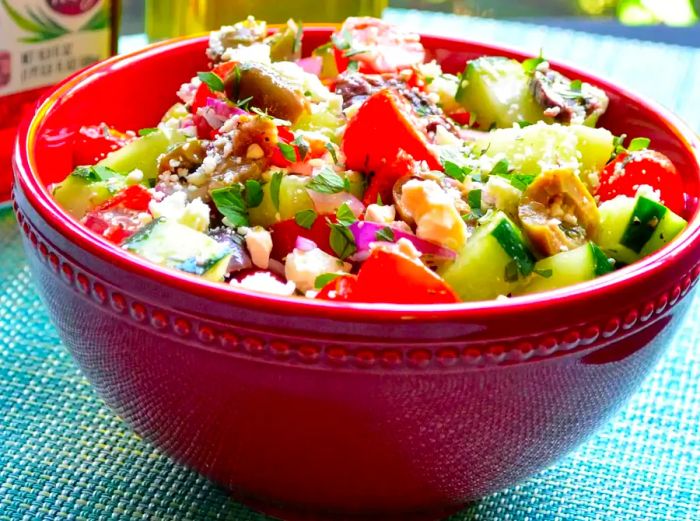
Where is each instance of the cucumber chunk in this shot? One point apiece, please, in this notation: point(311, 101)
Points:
point(142, 153)
point(568, 268)
point(175, 245)
point(493, 262)
point(293, 198)
point(543, 147)
point(497, 91)
point(78, 195)
point(632, 228)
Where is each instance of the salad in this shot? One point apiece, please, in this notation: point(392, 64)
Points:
point(365, 173)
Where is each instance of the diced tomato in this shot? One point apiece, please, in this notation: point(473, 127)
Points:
point(285, 233)
point(382, 182)
point(376, 46)
point(92, 143)
point(461, 118)
point(630, 170)
point(339, 289)
point(391, 277)
point(119, 218)
point(382, 127)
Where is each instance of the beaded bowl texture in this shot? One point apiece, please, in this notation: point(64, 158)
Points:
point(309, 406)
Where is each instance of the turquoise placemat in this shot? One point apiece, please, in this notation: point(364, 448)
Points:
point(64, 455)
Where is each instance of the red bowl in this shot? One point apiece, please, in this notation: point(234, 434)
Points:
point(324, 407)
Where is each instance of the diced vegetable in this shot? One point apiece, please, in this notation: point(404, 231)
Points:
point(493, 262)
point(497, 91)
point(634, 228)
point(177, 246)
point(78, 195)
point(568, 268)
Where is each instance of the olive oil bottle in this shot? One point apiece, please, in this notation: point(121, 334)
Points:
point(42, 42)
point(181, 17)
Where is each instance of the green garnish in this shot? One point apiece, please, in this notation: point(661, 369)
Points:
point(331, 150)
point(229, 201)
point(523, 124)
point(342, 41)
point(379, 200)
point(462, 83)
point(345, 215)
point(146, 131)
point(342, 241)
point(253, 193)
point(243, 103)
point(94, 174)
point(326, 182)
point(521, 181)
point(639, 143)
point(212, 81)
point(288, 151)
point(455, 171)
point(511, 273)
point(501, 168)
point(353, 66)
point(576, 86)
point(474, 200)
point(544, 273)
point(530, 65)
point(322, 280)
point(354, 52)
point(306, 218)
point(301, 146)
point(385, 234)
point(275, 183)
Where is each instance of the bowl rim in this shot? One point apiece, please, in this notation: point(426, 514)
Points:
point(44, 204)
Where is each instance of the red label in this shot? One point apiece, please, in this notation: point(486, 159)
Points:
point(71, 7)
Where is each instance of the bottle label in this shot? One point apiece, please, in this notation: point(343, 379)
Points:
point(43, 41)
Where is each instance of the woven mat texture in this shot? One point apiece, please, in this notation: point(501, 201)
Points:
point(64, 455)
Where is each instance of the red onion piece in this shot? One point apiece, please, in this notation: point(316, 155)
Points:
point(277, 268)
point(365, 234)
point(312, 64)
point(329, 203)
point(217, 111)
point(305, 244)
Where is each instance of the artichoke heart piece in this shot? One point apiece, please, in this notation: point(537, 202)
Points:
point(558, 213)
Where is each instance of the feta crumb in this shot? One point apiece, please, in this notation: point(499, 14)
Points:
point(259, 243)
point(380, 214)
point(303, 267)
point(265, 282)
point(256, 53)
point(134, 177)
point(444, 137)
point(175, 207)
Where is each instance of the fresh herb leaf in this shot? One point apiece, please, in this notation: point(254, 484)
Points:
point(455, 171)
point(288, 151)
point(253, 193)
point(275, 184)
point(576, 86)
point(354, 52)
point(94, 174)
point(379, 200)
point(230, 203)
point(385, 234)
point(212, 81)
point(342, 241)
point(474, 200)
point(326, 182)
point(618, 145)
point(523, 124)
point(243, 103)
point(512, 271)
point(342, 40)
point(544, 273)
point(146, 131)
point(353, 66)
point(345, 215)
point(306, 218)
point(462, 82)
point(501, 168)
point(521, 181)
point(530, 65)
point(322, 280)
point(639, 143)
point(331, 150)
point(301, 146)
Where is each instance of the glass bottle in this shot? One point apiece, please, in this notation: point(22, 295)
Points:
point(180, 17)
point(42, 42)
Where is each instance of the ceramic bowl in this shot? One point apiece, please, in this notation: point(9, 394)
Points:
point(308, 406)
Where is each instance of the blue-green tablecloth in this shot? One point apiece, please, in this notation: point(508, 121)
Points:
point(64, 455)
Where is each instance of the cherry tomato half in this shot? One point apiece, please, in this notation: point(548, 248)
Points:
point(119, 218)
point(630, 170)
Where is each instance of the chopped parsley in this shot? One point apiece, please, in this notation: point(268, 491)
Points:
point(501, 168)
point(521, 181)
point(345, 215)
point(146, 131)
point(530, 65)
point(306, 218)
point(253, 193)
point(243, 103)
point(288, 151)
point(354, 52)
point(523, 124)
point(327, 182)
point(576, 86)
point(474, 200)
point(229, 201)
point(385, 234)
point(639, 143)
point(455, 171)
point(301, 146)
point(94, 174)
point(212, 81)
point(331, 150)
point(342, 240)
point(322, 280)
point(462, 82)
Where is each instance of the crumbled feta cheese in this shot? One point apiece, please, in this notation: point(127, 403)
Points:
point(444, 137)
point(256, 53)
point(259, 243)
point(188, 90)
point(499, 193)
point(303, 267)
point(176, 208)
point(382, 214)
point(265, 282)
point(649, 192)
point(434, 212)
point(134, 177)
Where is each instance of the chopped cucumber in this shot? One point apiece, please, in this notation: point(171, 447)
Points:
point(497, 90)
point(493, 262)
point(632, 228)
point(293, 198)
point(142, 153)
point(78, 195)
point(175, 245)
point(543, 147)
point(568, 268)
